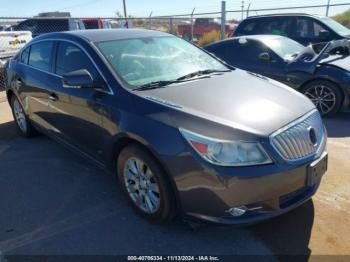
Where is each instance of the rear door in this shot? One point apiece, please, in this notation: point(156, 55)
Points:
point(76, 113)
point(34, 78)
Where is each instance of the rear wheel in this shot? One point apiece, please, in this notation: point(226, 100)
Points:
point(21, 118)
point(145, 184)
point(325, 95)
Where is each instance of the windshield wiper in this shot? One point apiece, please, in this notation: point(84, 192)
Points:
point(164, 83)
point(201, 73)
point(156, 84)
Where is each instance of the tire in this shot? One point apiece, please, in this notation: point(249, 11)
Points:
point(136, 189)
point(325, 95)
point(22, 121)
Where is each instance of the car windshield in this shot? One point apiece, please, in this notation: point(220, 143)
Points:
point(143, 61)
point(284, 47)
point(338, 28)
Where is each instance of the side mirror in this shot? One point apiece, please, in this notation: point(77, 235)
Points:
point(324, 34)
point(78, 79)
point(265, 57)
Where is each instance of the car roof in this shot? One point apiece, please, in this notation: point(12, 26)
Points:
point(100, 35)
point(249, 37)
point(50, 18)
point(97, 35)
point(284, 14)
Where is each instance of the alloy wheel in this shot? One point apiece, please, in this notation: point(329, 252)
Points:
point(20, 116)
point(142, 185)
point(323, 97)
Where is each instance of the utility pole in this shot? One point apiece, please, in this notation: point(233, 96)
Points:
point(248, 10)
point(242, 10)
point(223, 20)
point(192, 23)
point(327, 10)
point(125, 15)
point(150, 20)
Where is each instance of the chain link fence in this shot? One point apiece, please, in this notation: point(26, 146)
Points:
point(16, 32)
point(201, 28)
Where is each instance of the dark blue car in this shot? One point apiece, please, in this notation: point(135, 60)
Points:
point(185, 133)
point(302, 28)
point(321, 71)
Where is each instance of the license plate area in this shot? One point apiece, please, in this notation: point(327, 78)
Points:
point(316, 170)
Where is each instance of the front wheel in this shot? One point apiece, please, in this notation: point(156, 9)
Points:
point(325, 95)
point(145, 184)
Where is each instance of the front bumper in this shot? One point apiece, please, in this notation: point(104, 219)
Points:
point(208, 193)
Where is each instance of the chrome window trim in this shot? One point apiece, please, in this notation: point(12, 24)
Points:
point(110, 90)
point(321, 145)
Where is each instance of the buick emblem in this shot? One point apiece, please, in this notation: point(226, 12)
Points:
point(312, 136)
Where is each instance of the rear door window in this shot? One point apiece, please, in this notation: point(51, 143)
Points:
point(40, 55)
point(276, 26)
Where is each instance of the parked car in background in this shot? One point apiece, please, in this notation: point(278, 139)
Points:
point(97, 23)
point(184, 133)
point(40, 26)
point(10, 44)
point(302, 28)
point(201, 26)
point(320, 72)
point(4, 27)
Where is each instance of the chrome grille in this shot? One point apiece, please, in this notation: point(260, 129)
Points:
point(300, 139)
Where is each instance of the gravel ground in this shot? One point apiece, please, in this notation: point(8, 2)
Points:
point(54, 202)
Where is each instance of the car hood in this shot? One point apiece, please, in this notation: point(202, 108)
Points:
point(238, 99)
point(342, 62)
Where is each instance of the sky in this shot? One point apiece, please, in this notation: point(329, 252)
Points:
point(143, 8)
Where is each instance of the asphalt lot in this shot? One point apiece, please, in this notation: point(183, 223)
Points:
point(54, 202)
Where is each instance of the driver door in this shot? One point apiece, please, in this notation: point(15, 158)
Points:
point(251, 54)
point(76, 113)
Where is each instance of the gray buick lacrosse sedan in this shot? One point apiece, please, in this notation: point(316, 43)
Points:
point(185, 133)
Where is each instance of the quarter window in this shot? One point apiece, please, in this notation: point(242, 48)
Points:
point(40, 55)
point(71, 58)
point(25, 55)
point(248, 28)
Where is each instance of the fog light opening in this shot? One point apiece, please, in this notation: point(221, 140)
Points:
point(240, 211)
point(237, 211)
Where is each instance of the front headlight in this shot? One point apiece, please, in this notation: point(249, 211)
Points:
point(227, 153)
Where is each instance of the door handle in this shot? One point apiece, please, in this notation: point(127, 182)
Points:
point(53, 97)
